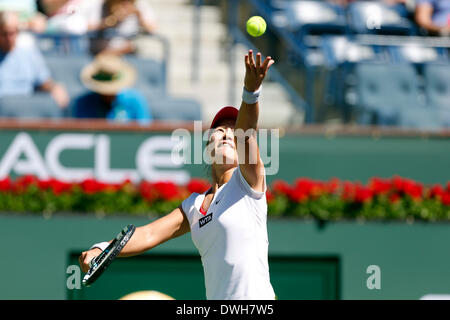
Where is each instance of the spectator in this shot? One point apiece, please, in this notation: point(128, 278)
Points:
point(70, 16)
point(29, 17)
point(109, 78)
point(123, 19)
point(22, 67)
point(434, 16)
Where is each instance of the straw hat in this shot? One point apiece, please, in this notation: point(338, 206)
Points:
point(108, 74)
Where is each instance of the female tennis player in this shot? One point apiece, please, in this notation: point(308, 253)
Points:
point(227, 222)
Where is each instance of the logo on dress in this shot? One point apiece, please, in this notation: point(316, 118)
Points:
point(205, 220)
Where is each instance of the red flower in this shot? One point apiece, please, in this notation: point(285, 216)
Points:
point(348, 191)
point(413, 189)
point(166, 190)
point(310, 187)
point(5, 184)
point(91, 186)
point(22, 183)
point(397, 182)
point(43, 184)
point(59, 187)
point(304, 185)
point(56, 186)
point(146, 190)
point(269, 196)
point(198, 185)
point(409, 187)
point(380, 186)
point(394, 198)
point(121, 185)
point(281, 187)
point(297, 195)
point(362, 193)
point(445, 199)
point(436, 191)
point(333, 185)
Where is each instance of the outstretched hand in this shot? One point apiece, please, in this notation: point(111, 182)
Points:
point(255, 71)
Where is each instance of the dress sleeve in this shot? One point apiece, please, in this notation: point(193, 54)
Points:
point(188, 206)
point(247, 188)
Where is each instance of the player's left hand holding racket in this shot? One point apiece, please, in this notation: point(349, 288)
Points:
point(94, 262)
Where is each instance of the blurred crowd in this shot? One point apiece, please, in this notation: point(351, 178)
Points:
point(110, 25)
point(125, 17)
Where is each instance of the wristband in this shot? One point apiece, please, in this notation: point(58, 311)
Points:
point(102, 246)
point(251, 97)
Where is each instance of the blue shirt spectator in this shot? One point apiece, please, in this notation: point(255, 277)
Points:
point(109, 79)
point(22, 71)
point(22, 68)
point(128, 105)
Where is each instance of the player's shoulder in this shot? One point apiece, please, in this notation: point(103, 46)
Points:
point(188, 204)
point(244, 186)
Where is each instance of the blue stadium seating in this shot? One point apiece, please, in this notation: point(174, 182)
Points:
point(305, 17)
point(151, 73)
point(174, 109)
point(388, 94)
point(341, 54)
point(437, 88)
point(39, 105)
point(67, 69)
point(363, 65)
point(66, 55)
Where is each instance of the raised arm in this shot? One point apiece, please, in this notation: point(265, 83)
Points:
point(424, 18)
point(250, 162)
point(146, 237)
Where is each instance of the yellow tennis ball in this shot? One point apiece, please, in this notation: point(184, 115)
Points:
point(256, 26)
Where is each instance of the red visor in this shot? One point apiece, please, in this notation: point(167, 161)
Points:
point(228, 112)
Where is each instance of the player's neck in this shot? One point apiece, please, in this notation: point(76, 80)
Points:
point(220, 177)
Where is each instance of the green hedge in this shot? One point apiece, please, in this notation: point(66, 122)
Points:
point(380, 199)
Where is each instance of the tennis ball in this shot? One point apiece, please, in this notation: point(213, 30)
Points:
point(256, 26)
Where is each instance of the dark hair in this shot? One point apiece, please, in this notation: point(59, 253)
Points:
point(207, 171)
point(207, 167)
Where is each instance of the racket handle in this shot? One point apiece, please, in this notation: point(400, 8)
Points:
point(93, 262)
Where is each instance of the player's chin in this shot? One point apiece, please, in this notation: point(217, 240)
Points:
point(226, 152)
point(228, 159)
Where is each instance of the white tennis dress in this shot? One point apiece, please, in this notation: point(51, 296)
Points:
point(232, 240)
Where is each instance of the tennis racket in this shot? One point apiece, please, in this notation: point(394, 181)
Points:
point(99, 264)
